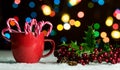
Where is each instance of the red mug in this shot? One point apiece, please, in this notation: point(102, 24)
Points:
point(28, 48)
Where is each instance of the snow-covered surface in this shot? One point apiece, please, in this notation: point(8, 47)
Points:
point(7, 62)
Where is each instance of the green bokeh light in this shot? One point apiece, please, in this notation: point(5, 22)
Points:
point(90, 5)
point(96, 33)
point(96, 26)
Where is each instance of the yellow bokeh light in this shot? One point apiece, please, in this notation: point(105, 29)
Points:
point(115, 34)
point(65, 18)
point(77, 23)
point(74, 2)
point(67, 26)
point(109, 21)
point(59, 27)
point(106, 40)
point(103, 34)
point(72, 22)
point(46, 10)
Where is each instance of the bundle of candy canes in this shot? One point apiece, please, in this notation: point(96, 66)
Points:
point(28, 26)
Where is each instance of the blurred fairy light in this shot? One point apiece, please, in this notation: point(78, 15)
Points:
point(31, 4)
point(96, 26)
point(28, 19)
point(53, 33)
point(63, 39)
point(94, 0)
point(46, 10)
point(90, 5)
point(101, 2)
point(12, 23)
point(44, 32)
point(15, 5)
point(72, 22)
point(59, 27)
point(80, 14)
point(109, 21)
point(116, 14)
point(56, 2)
point(77, 23)
point(106, 40)
point(17, 1)
point(73, 2)
point(16, 18)
point(52, 14)
point(103, 34)
point(96, 33)
point(56, 9)
point(33, 14)
point(65, 17)
point(117, 11)
point(7, 35)
point(115, 34)
point(66, 26)
point(115, 26)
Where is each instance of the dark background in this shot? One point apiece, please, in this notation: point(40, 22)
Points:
point(96, 14)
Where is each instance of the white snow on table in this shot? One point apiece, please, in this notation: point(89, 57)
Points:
point(7, 62)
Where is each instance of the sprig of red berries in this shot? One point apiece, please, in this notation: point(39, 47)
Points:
point(73, 54)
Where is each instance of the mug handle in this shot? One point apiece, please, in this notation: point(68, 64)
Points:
point(53, 47)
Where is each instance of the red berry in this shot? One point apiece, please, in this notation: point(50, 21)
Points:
point(83, 63)
point(80, 47)
point(110, 52)
point(100, 50)
point(106, 60)
point(105, 54)
point(118, 60)
point(100, 61)
point(113, 61)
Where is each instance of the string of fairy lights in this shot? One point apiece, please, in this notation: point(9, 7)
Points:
point(69, 22)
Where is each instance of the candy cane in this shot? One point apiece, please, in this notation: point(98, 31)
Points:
point(42, 23)
point(27, 28)
point(16, 23)
point(51, 26)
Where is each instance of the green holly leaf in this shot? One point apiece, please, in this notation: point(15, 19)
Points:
point(74, 45)
point(70, 49)
point(63, 44)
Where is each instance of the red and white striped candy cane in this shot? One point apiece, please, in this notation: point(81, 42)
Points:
point(16, 23)
point(27, 28)
point(42, 23)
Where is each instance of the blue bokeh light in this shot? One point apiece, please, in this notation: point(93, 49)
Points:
point(56, 9)
point(53, 33)
point(33, 14)
point(56, 2)
point(101, 2)
point(69, 5)
point(95, 0)
point(63, 39)
point(15, 5)
point(31, 4)
point(7, 35)
point(28, 19)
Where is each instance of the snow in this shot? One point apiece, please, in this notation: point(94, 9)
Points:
point(7, 62)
